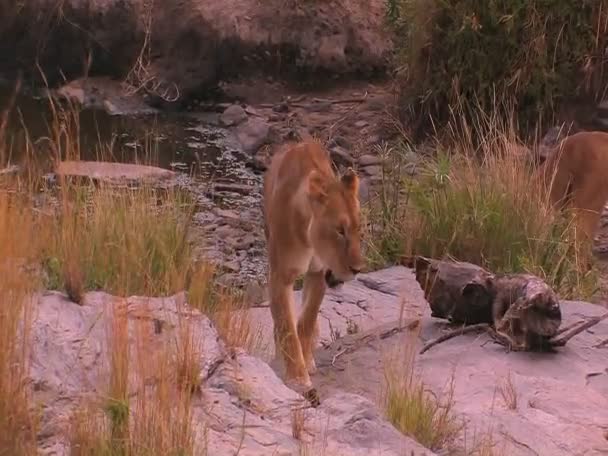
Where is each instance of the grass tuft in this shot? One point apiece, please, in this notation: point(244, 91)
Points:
point(412, 408)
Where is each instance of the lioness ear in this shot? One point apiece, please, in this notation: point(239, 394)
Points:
point(317, 190)
point(350, 180)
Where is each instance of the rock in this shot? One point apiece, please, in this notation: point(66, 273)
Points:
point(255, 293)
point(252, 134)
point(562, 397)
point(103, 93)
point(231, 266)
point(369, 160)
point(70, 361)
point(341, 156)
point(373, 170)
point(114, 173)
point(242, 189)
point(226, 213)
point(344, 38)
point(246, 242)
point(233, 115)
point(361, 123)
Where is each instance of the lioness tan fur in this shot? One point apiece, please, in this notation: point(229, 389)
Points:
point(311, 227)
point(576, 174)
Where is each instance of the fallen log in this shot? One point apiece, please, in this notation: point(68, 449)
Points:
point(519, 311)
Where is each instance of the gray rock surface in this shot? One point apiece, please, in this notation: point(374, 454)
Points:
point(114, 173)
point(252, 134)
point(233, 115)
point(562, 398)
point(234, 38)
point(70, 361)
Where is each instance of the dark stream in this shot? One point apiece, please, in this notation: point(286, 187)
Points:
point(192, 144)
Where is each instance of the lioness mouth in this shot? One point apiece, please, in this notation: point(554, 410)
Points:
point(331, 280)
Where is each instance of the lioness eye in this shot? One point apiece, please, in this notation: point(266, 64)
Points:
point(341, 231)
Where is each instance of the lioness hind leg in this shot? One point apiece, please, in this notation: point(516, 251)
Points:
point(589, 202)
point(286, 338)
point(312, 296)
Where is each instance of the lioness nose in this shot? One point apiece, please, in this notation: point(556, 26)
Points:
point(355, 270)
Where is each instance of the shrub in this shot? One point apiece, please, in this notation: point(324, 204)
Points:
point(536, 53)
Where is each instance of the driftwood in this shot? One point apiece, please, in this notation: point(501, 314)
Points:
point(460, 292)
point(519, 311)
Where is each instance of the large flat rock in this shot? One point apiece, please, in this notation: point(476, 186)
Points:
point(243, 407)
point(562, 398)
point(113, 173)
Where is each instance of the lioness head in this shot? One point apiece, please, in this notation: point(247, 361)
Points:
point(335, 227)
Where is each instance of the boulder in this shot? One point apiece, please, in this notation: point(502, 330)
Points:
point(562, 397)
point(175, 50)
point(243, 406)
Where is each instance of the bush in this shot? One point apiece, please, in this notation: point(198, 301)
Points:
point(536, 53)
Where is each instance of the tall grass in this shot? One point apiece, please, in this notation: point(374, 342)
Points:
point(17, 285)
point(122, 241)
point(478, 199)
point(125, 241)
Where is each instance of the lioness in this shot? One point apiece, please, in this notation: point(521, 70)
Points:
point(312, 228)
point(576, 173)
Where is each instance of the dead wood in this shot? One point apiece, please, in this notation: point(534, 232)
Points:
point(457, 332)
point(459, 292)
point(561, 341)
point(519, 311)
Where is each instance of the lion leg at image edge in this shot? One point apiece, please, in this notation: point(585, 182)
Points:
point(589, 202)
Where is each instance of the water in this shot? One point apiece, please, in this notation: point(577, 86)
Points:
point(192, 144)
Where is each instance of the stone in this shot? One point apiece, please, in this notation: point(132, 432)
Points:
point(373, 170)
point(252, 134)
point(233, 115)
point(226, 213)
point(369, 160)
point(341, 156)
point(562, 397)
point(233, 187)
point(69, 361)
point(231, 266)
point(114, 173)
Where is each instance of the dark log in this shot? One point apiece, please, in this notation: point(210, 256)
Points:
point(522, 312)
point(456, 291)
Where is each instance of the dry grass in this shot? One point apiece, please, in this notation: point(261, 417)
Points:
point(508, 391)
point(412, 408)
point(18, 283)
point(148, 407)
point(126, 242)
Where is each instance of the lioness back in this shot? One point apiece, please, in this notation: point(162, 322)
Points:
point(577, 173)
